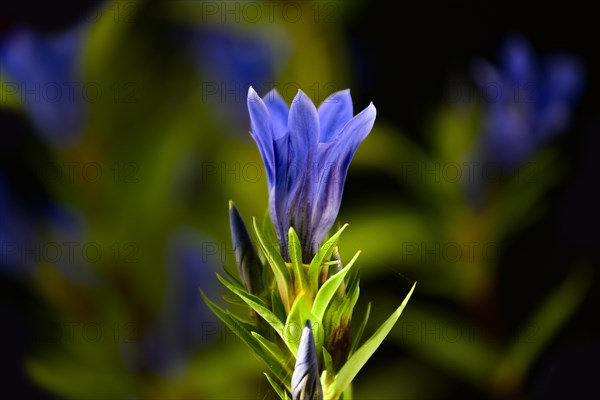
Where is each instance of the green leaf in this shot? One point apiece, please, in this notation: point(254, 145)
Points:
point(329, 288)
point(277, 305)
point(327, 360)
point(546, 322)
point(234, 279)
point(243, 332)
point(296, 321)
point(519, 202)
point(74, 379)
point(322, 255)
point(276, 352)
point(362, 355)
point(257, 305)
point(268, 229)
point(349, 301)
point(282, 393)
point(282, 275)
point(295, 249)
point(361, 329)
point(234, 300)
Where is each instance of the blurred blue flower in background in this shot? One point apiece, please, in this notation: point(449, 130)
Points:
point(36, 230)
point(66, 228)
point(18, 232)
point(185, 323)
point(231, 61)
point(44, 74)
point(526, 102)
point(307, 153)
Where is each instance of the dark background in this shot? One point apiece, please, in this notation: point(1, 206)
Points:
point(429, 44)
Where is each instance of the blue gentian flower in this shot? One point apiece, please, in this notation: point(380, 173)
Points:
point(36, 230)
point(307, 153)
point(306, 383)
point(184, 323)
point(67, 226)
point(526, 102)
point(229, 61)
point(44, 73)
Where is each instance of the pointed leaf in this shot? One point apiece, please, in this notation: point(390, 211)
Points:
point(234, 300)
point(268, 229)
point(329, 288)
point(327, 360)
point(234, 279)
point(282, 276)
point(295, 323)
point(361, 329)
point(347, 306)
point(362, 355)
point(243, 332)
point(275, 351)
point(295, 249)
point(299, 314)
point(277, 306)
point(322, 255)
point(280, 392)
point(257, 305)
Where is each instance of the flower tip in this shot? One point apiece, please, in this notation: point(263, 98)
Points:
point(231, 205)
point(299, 96)
point(306, 383)
point(345, 91)
point(252, 95)
point(308, 325)
point(370, 113)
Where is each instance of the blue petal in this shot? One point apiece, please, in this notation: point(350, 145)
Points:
point(19, 226)
point(303, 125)
point(262, 132)
point(188, 269)
point(487, 77)
point(355, 131)
point(279, 113)
point(334, 113)
point(278, 195)
point(179, 329)
point(509, 138)
point(48, 74)
point(236, 58)
point(565, 78)
point(552, 119)
point(334, 162)
point(519, 61)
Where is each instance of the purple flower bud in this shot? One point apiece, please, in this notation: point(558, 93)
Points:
point(306, 383)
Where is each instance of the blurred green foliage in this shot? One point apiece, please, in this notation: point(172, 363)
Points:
point(167, 161)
